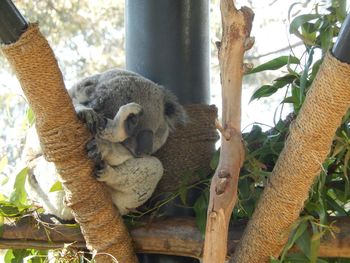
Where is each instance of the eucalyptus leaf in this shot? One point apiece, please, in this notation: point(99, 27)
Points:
point(315, 246)
point(1, 225)
point(299, 21)
point(19, 195)
point(56, 187)
point(8, 210)
point(200, 209)
point(30, 117)
point(274, 64)
point(3, 163)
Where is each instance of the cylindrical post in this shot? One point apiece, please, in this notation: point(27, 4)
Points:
point(167, 41)
point(341, 49)
point(12, 23)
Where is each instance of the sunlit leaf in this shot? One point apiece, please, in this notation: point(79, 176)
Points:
point(19, 195)
point(3, 163)
point(30, 117)
point(56, 187)
point(8, 256)
point(276, 63)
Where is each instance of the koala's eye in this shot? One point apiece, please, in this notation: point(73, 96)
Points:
point(169, 109)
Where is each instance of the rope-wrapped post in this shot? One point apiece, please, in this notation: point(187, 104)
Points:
point(299, 164)
point(63, 138)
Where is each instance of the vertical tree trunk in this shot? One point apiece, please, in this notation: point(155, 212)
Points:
point(236, 26)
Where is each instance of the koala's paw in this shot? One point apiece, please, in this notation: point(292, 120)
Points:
point(129, 116)
point(99, 171)
point(95, 154)
point(93, 121)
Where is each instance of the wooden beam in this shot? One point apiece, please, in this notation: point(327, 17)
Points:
point(174, 236)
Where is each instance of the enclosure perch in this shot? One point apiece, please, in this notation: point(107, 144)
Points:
point(63, 138)
point(298, 165)
point(236, 27)
point(173, 236)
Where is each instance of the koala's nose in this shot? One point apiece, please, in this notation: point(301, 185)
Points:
point(144, 141)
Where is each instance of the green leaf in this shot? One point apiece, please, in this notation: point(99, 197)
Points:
point(19, 195)
point(326, 38)
point(183, 194)
point(309, 32)
point(303, 243)
point(298, 22)
point(56, 187)
point(8, 256)
point(275, 64)
point(1, 226)
point(268, 90)
point(19, 255)
point(289, 100)
point(30, 117)
point(273, 260)
point(215, 160)
point(264, 91)
point(315, 246)
point(3, 163)
point(340, 9)
point(296, 258)
point(8, 210)
point(294, 237)
point(340, 211)
point(200, 208)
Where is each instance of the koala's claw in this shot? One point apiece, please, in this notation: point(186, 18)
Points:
point(93, 121)
point(93, 151)
point(99, 169)
point(95, 155)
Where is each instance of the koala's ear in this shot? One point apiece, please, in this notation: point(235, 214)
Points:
point(174, 112)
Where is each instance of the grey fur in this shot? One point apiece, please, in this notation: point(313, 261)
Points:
point(131, 118)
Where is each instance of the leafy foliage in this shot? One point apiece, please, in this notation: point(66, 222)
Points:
point(329, 195)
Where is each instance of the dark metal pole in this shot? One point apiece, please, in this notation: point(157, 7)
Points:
point(12, 23)
point(167, 41)
point(341, 49)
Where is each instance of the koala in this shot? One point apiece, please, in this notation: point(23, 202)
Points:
point(130, 118)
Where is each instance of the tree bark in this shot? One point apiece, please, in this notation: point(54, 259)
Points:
point(236, 27)
point(63, 138)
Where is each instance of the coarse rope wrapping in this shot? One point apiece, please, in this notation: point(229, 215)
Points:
point(189, 148)
point(299, 164)
point(63, 138)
